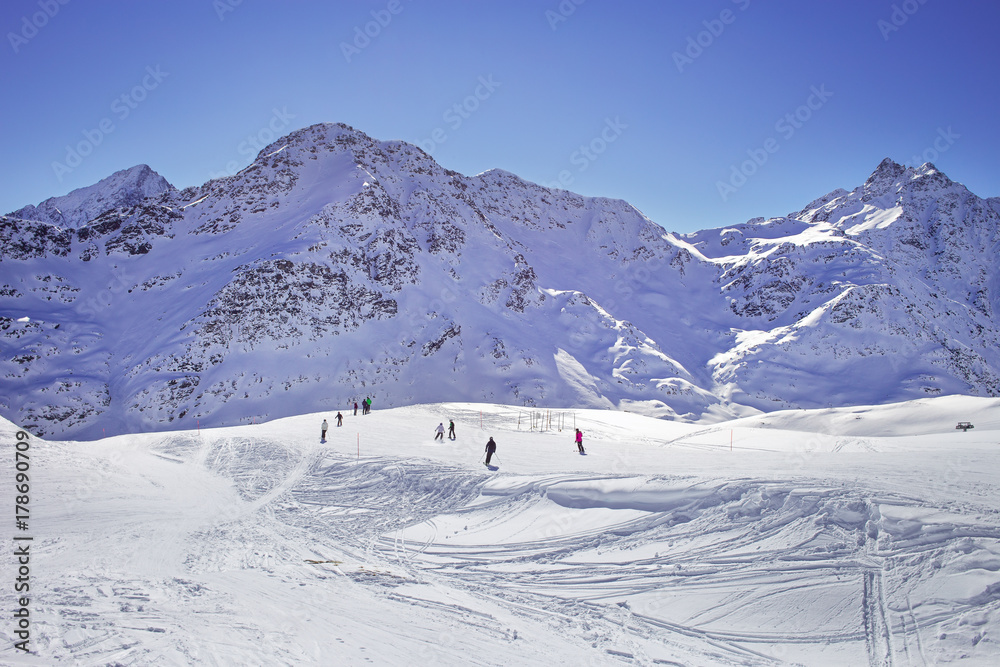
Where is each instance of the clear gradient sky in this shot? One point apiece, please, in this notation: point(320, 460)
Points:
point(700, 113)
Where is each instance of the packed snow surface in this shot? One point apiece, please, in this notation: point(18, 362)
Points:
point(854, 536)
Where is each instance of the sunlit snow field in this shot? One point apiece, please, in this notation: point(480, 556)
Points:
point(854, 536)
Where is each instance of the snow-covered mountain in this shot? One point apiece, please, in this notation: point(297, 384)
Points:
point(337, 266)
point(885, 293)
point(122, 188)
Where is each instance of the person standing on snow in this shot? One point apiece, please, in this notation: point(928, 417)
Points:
point(355, 408)
point(440, 431)
point(322, 432)
point(451, 429)
point(340, 419)
point(579, 441)
point(491, 448)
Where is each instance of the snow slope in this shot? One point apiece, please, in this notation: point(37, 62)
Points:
point(337, 266)
point(862, 536)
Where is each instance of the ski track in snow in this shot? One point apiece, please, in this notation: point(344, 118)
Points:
point(259, 545)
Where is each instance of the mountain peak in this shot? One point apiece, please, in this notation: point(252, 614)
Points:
point(331, 139)
point(329, 132)
point(886, 174)
point(891, 177)
point(126, 187)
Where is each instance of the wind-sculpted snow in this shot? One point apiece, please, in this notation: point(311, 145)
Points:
point(801, 537)
point(337, 266)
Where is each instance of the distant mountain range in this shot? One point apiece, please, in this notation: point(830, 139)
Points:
point(337, 267)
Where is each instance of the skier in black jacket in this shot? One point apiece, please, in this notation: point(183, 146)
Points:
point(491, 448)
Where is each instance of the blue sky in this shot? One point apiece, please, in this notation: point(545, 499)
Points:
point(701, 114)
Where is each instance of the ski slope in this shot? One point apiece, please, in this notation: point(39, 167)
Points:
point(858, 536)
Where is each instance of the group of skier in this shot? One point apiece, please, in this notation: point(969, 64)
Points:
point(366, 407)
point(439, 431)
point(491, 445)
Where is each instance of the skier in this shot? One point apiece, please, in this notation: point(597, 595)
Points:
point(451, 429)
point(355, 408)
point(322, 434)
point(365, 405)
point(340, 419)
point(440, 431)
point(491, 448)
point(579, 441)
